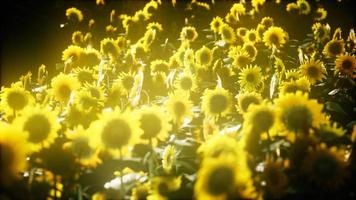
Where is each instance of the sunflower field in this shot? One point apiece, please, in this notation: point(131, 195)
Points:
point(225, 100)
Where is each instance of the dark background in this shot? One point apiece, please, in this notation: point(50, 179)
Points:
point(31, 33)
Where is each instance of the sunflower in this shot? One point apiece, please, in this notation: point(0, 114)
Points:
point(293, 86)
point(345, 64)
point(117, 130)
point(220, 146)
point(13, 153)
point(314, 70)
point(74, 14)
point(88, 39)
point(241, 59)
point(320, 14)
point(330, 130)
point(161, 186)
point(188, 33)
point(245, 99)
point(126, 80)
point(261, 117)
point(321, 32)
point(225, 177)
point(275, 37)
point(292, 75)
point(216, 23)
point(304, 7)
point(169, 158)
point(250, 78)
point(250, 49)
point(154, 122)
point(230, 18)
point(179, 106)
point(114, 95)
point(72, 55)
point(186, 81)
point(252, 36)
point(292, 8)
point(109, 47)
point(238, 9)
point(15, 98)
point(63, 85)
point(325, 167)
point(41, 125)
point(298, 113)
point(86, 101)
point(204, 56)
point(227, 33)
point(334, 48)
point(82, 145)
point(140, 191)
point(159, 66)
point(267, 22)
point(84, 75)
point(216, 102)
point(77, 38)
point(155, 26)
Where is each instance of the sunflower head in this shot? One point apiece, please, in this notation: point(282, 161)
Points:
point(159, 66)
point(314, 70)
point(325, 167)
point(250, 49)
point(63, 85)
point(304, 7)
point(275, 37)
point(298, 113)
point(321, 32)
point(168, 158)
point(204, 56)
point(188, 33)
point(292, 8)
point(216, 102)
point(74, 14)
point(140, 191)
point(320, 14)
point(13, 152)
point(346, 64)
point(179, 106)
point(252, 36)
point(261, 117)
point(15, 98)
point(227, 34)
point(216, 23)
point(109, 47)
point(126, 81)
point(77, 38)
point(186, 81)
point(267, 22)
point(245, 99)
point(241, 59)
point(72, 55)
point(334, 48)
point(161, 186)
point(250, 78)
point(84, 75)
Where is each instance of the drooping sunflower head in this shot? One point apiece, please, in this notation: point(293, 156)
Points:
point(179, 106)
point(222, 178)
point(204, 56)
point(334, 48)
point(74, 14)
point(168, 158)
point(325, 167)
point(15, 98)
point(13, 153)
point(41, 125)
point(320, 14)
point(275, 36)
point(188, 33)
point(346, 64)
point(227, 34)
point(63, 85)
point(257, 4)
point(186, 81)
point(298, 113)
point(117, 130)
point(250, 78)
point(216, 102)
point(216, 23)
point(314, 70)
point(304, 7)
point(245, 99)
point(261, 117)
point(154, 123)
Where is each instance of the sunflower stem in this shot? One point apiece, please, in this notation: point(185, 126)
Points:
point(122, 186)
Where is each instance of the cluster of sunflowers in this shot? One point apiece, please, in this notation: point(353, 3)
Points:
point(228, 112)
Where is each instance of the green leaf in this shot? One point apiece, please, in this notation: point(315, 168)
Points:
point(335, 107)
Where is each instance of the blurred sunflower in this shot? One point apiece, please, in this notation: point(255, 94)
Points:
point(250, 78)
point(77, 38)
point(227, 34)
point(292, 8)
point(169, 158)
point(117, 130)
point(330, 130)
point(154, 122)
point(326, 167)
point(294, 86)
point(179, 106)
point(204, 56)
point(223, 178)
point(41, 125)
point(241, 31)
point(62, 87)
point(217, 102)
point(15, 99)
point(345, 64)
point(13, 151)
point(250, 49)
point(216, 23)
point(126, 81)
point(109, 47)
point(257, 4)
point(321, 32)
point(304, 7)
point(320, 14)
point(82, 145)
point(85, 75)
point(298, 113)
point(140, 191)
point(334, 48)
point(275, 37)
point(220, 146)
point(261, 117)
point(245, 99)
point(74, 14)
point(267, 22)
point(72, 55)
point(161, 186)
point(188, 33)
point(159, 66)
point(252, 36)
point(185, 81)
point(314, 70)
